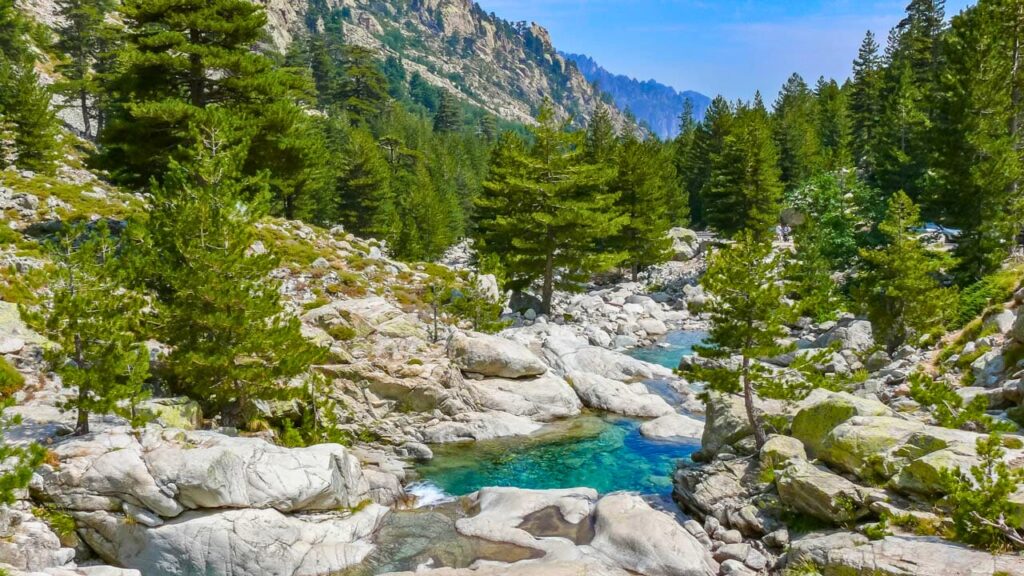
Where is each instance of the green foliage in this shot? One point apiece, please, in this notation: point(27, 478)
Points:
point(25, 109)
point(979, 501)
point(219, 310)
point(948, 408)
point(743, 189)
point(878, 530)
point(10, 379)
point(795, 132)
point(544, 209)
point(19, 461)
point(645, 182)
point(994, 288)
point(180, 61)
point(318, 422)
point(810, 273)
point(747, 319)
point(62, 523)
point(898, 287)
point(85, 39)
point(94, 320)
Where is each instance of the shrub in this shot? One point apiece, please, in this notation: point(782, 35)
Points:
point(948, 407)
point(10, 379)
point(979, 501)
point(992, 289)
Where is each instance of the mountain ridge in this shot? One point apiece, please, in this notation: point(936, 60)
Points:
point(653, 103)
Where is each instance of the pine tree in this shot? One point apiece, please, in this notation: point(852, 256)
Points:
point(180, 58)
point(644, 182)
point(220, 311)
point(865, 104)
point(686, 204)
point(82, 37)
point(897, 287)
point(745, 191)
point(708, 144)
point(94, 321)
point(25, 103)
point(362, 89)
point(365, 201)
point(832, 125)
point(748, 320)
point(979, 149)
point(601, 145)
point(796, 135)
point(430, 217)
point(544, 209)
point(811, 275)
point(449, 114)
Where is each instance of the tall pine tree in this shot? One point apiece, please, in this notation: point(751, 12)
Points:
point(544, 209)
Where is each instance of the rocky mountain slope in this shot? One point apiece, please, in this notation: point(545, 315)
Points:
point(653, 103)
point(508, 68)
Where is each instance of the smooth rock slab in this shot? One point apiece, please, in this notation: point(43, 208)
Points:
point(643, 540)
point(235, 542)
point(609, 395)
point(919, 556)
point(815, 491)
point(493, 356)
point(673, 426)
point(543, 398)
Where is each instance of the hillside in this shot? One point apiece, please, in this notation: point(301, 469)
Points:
point(653, 103)
point(504, 67)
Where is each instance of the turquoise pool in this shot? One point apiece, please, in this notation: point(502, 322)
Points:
point(602, 452)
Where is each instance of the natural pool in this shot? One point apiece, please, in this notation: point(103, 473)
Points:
point(600, 451)
point(604, 452)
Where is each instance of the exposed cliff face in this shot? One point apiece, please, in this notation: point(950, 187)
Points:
point(507, 68)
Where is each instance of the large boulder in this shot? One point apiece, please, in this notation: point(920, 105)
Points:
point(673, 427)
point(910, 556)
point(778, 450)
point(717, 488)
point(368, 316)
point(479, 426)
point(856, 335)
point(543, 398)
point(685, 244)
point(179, 412)
point(816, 491)
point(166, 472)
point(872, 447)
point(727, 422)
point(27, 543)
point(235, 542)
point(823, 410)
point(645, 541)
point(493, 356)
point(609, 395)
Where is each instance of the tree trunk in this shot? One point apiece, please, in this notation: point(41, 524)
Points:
point(1015, 87)
point(197, 75)
point(748, 401)
point(83, 100)
point(634, 270)
point(549, 283)
point(82, 425)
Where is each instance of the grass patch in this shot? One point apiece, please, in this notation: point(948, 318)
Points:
point(992, 289)
point(10, 379)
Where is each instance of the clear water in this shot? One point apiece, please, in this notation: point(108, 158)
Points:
point(606, 453)
point(671, 349)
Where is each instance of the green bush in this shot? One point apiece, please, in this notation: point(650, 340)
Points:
point(993, 289)
point(979, 501)
point(948, 407)
point(10, 379)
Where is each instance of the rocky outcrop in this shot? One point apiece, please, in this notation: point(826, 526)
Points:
point(823, 410)
point(815, 491)
point(235, 542)
point(846, 553)
point(172, 502)
point(643, 540)
point(493, 356)
point(609, 395)
point(544, 398)
point(673, 427)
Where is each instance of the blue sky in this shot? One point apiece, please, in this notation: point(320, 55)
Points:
point(730, 47)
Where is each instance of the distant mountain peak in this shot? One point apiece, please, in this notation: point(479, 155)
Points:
point(653, 103)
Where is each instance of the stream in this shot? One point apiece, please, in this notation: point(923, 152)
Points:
point(601, 451)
